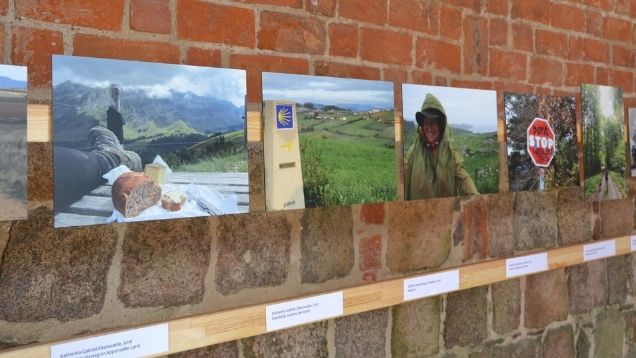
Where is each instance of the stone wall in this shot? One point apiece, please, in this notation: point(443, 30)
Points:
point(55, 284)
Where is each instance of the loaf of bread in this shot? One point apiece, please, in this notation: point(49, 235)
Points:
point(173, 200)
point(134, 192)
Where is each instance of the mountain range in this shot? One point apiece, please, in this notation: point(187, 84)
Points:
point(8, 83)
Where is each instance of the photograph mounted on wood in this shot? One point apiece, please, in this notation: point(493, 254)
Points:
point(136, 141)
point(13, 142)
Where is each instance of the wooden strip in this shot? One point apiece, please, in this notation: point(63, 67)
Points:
point(254, 126)
point(398, 128)
point(38, 123)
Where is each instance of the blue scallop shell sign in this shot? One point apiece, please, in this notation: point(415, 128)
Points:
point(284, 116)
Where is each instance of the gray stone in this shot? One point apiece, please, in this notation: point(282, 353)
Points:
point(419, 234)
point(256, 174)
point(362, 335)
point(164, 263)
point(617, 217)
point(223, 350)
point(326, 245)
point(609, 331)
point(582, 345)
point(523, 349)
point(506, 305)
point(546, 298)
point(559, 343)
point(415, 329)
point(618, 269)
point(587, 286)
point(574, 215)
point(303, 341)
point(500, 224)
point(466, 317)
point(535, 224)
point(54, 273)
point(253, 251)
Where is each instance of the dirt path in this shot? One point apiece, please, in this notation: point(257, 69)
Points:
point(608, 190)
point(11, 209)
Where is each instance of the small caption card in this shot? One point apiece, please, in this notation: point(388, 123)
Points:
point(129, 344)
point(430, 285)
point(525, 265)
point(599, 250)
point(633, 242)
point(311, 309)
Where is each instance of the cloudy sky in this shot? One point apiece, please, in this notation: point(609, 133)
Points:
point(342, 92)
point(17, 73)
point(157, 79)
point(464, 107)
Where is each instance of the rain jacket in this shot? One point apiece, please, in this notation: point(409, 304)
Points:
point(435, 173)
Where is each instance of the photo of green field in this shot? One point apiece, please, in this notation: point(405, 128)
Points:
point(346, 134)
point(13, 143)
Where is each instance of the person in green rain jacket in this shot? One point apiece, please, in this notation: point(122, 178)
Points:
point(433, 168)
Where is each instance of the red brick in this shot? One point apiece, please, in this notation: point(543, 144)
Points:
point(617, 29)
point(567, 17)
point(343, 40)
point(345, 70)
point(440, 81)
point(487, 85)
point(594, 50)
point(451, 22)
point(474, 5)
point(202, 57)
point(602, 75)
point(576, 48)
point(99, 14)
point(4, 6)
point(497, 7)
point(1, 40)
point(385, 46)
point(594, 23)
point(395, 75)
point(150, 16)
point(545, 70)
point(498, 30)
point(421, 77)
point(523, 37)
point(507, 64)
point(289, 3)
point(603, 4)
point(283, 32)
point(475, 45)
point(535, 10)
point(439, 54)
point(414, 15)
point(623, 6)
point(633, 13)
point(203, 21)
point(255, 64)
point(322, 7)
point(371, 253)
point(33, 48)
point(579, 73)
point(622, 79)
point(372, 213)
point(105, 47)
point(513, 86)
point(551, 43)
point(372, 11)
point(623, 56)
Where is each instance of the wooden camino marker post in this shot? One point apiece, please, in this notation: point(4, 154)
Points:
point(541, 146)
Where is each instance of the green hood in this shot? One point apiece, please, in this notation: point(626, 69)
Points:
point(432, 104)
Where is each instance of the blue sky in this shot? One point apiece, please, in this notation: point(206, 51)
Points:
point(342, 92)
point(469, 108)
point(156, 79)
point(17, 73)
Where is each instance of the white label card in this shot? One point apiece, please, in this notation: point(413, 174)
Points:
point(128, 344)
point(430, 285)
point(305, 310)
point(599, 250)
point(525, 265)
point(633, 242)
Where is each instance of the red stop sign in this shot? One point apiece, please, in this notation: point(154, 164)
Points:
point(541, 142)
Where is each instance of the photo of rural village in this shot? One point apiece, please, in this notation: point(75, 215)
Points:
point(560, 112)
point(13, 142)
point(603, 145)
point(182, 128)
point(346, 134)
point(450, 141)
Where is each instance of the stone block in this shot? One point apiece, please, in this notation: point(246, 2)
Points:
point(223, 350)
point(618, 269)
point(362, 335)
point(506, 305)
point(546, 298)
point(500, 224)
point(256, 174)
point(415, 328)
point(326, 245)
point(582, 345)
point(372, 213)
point(617, 218)
point(535, 224)
point(587, 286)
point(466, 317)
point(419, 234)
point(559, 343)
point(40, 172)
point(164, 263)
point(253, 251)
point(60, 274)
point(574, 216)
point(609, 332)
point(522, 349)
point(303, 341)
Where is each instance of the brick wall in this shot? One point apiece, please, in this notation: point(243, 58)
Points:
point(58, 283)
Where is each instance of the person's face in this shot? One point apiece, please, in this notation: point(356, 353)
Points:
point(430, 130)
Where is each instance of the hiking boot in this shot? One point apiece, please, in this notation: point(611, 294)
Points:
point(103, 140)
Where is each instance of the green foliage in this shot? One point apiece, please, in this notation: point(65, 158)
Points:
point(620, 181)
point(591, 184)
